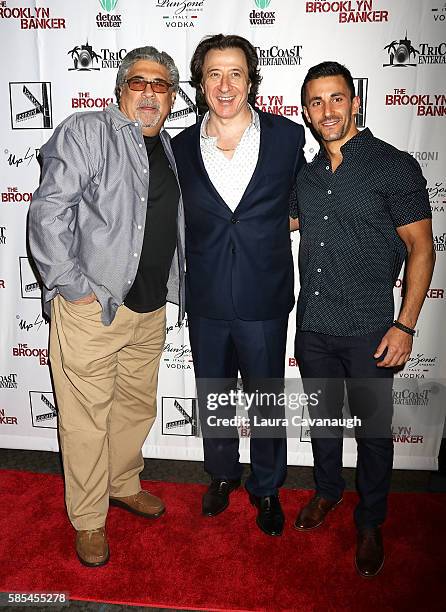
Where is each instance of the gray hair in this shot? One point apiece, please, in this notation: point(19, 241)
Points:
point(152, 55)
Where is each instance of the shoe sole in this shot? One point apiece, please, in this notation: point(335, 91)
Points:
point(210, 514)
point(272, 534)
point(97, 564)
point(319, 524)
point(369, 575)
point(119, 504)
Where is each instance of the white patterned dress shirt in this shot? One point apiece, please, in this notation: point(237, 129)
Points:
point(230, 177)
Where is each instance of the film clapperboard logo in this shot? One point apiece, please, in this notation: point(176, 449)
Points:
point(179, 416)
point(22, 116)
point(30, 286)
point(43, 410)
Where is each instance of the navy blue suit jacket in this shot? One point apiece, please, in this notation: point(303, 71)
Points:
point(239, 264)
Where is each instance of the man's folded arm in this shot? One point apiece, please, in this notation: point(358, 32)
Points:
point(66, 173)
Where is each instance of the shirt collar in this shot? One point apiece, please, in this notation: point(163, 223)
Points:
point(255, 123)
point(118, 118)
point(353, 145)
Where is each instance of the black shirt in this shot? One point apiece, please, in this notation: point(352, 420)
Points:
point(149, 289)
point(350, 253)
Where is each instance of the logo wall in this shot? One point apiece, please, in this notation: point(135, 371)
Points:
point(43, 409)
point(185, 111)
point(30, 287)
point(15, 160)
point(86, 59)
point(179, 416)
point(6, 419)
point(427, 105)
point(262, 17)
point(32, 18)
point(275, 105)
point(439, 12)
point(180, 13)
point(106, 20)
point(279, 56)
point(30, 104)
point(361, 89)
point(437, 195)
point(85, 100)
point(403, 54)
point(350, 11)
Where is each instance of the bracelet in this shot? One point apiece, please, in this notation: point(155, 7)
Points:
point(404, 328)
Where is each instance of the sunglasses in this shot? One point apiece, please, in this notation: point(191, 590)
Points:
point(158, 86)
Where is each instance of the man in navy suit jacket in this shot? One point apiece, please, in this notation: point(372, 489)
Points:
point(236, 169)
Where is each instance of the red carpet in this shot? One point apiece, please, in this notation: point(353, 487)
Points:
point(185, 560)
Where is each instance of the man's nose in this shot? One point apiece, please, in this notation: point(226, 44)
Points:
point(224, 82)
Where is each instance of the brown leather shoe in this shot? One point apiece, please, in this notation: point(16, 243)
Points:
point(313, 514)
point(92, 547)
point(369, 558)
point(143, 503)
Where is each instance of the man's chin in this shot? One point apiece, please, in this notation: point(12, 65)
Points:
point(331, 136)
point(149, 122)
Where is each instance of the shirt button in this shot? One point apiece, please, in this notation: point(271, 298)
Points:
point(142, 199)
point(316, 293)
point(326, 217)
point(135, 124)
point(139, 227)
point(139, 145)
point(145, 170)
point(322, 243)
point(135, 254)
point(327, 167)
point(129, 282)
point(329, 192)
point(319, 270)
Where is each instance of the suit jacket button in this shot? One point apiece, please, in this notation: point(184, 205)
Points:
point(234, 220)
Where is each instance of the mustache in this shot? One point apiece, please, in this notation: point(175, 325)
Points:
point(148, 103)
point(330, 118)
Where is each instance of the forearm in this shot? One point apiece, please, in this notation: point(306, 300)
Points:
point(418, 275)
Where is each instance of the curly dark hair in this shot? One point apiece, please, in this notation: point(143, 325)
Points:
point(222, 41)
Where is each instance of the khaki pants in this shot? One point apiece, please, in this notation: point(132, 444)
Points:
point(105, 380)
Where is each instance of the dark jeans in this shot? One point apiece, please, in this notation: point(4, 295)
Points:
point(257, 349)
point(345, 362)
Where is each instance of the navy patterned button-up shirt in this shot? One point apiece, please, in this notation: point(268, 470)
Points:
point(350, 253)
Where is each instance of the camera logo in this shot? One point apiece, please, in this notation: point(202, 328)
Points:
point(83, 58)
point(400, 53)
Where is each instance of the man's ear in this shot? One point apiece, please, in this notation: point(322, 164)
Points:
point(356, 104)
point(307, 116)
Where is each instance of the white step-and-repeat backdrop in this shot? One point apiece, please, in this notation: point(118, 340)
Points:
point(61, 57)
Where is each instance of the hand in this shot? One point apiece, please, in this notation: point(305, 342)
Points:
point(88, 299)
point(399, 348)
